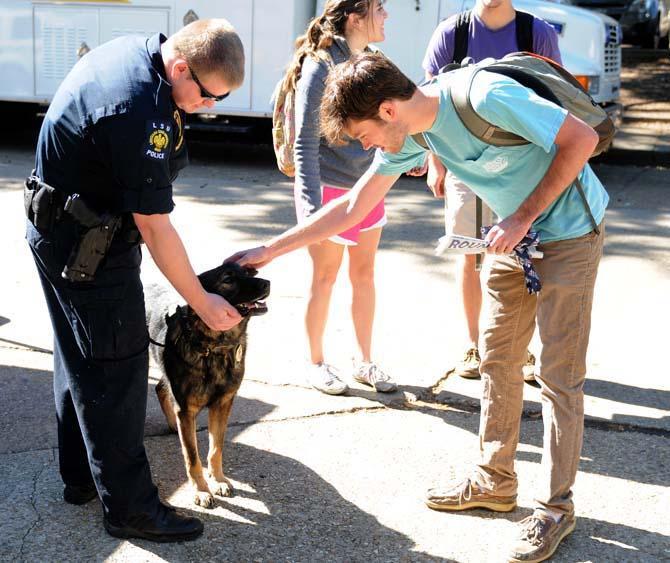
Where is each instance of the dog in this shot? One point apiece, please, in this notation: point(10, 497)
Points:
point(203, 367)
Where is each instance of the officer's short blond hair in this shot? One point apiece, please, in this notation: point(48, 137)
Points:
point(212, 46)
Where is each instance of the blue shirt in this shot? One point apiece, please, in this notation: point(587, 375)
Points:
point(112, 132)
point(503, 176)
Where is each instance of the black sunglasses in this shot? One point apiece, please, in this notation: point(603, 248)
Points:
point(204, 93)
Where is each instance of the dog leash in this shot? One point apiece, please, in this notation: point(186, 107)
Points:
point(213, 350)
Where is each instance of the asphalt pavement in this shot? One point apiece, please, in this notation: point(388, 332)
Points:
point(322, 478)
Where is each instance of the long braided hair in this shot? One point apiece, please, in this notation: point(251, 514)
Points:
point(322, 31)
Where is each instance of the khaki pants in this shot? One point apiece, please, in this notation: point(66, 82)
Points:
point(562, 310)
point(460, 211)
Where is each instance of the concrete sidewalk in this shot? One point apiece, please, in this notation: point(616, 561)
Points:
point(638, 145)
point(341, 478)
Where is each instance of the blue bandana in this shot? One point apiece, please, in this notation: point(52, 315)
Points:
point(521, 250)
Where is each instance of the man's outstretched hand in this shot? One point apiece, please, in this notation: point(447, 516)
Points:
point(253, 257)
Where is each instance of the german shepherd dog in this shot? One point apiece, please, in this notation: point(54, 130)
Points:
point(203, 368)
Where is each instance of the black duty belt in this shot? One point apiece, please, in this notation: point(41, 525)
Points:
point(45, 206)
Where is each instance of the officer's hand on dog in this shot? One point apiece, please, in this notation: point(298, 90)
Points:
point(504, 236)
point(216, 312)
point(253, 257)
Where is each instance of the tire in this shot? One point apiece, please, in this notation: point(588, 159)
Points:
point(664, 42)
point(22, 118)
point(651, 39)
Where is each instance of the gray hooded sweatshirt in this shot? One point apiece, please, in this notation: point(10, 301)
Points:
point(317, 163)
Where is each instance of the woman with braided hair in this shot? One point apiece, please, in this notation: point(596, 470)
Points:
point(324, 172)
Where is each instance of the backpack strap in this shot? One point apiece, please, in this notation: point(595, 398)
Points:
point(478, 230)
point(420, 140)
point(461, 35)
point(524, 31)
point(580, 190)
point(477, 125)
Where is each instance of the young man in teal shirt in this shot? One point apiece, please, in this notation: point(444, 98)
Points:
point(493, 28)
point(529, 187)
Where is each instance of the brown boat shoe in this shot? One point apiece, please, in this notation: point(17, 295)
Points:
point(539, 537)
point(467, 495)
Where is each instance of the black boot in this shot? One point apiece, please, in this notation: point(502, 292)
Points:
point(165, 526)
point(79, 494)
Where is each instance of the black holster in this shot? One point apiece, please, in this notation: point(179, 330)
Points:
point(99, 231)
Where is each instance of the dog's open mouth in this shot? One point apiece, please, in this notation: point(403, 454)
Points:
point(252, 308)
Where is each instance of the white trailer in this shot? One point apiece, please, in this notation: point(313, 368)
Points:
point(40, 40)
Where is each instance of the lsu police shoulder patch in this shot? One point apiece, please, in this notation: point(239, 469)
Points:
point(158, 141)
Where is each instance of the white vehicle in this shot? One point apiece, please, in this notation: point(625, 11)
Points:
point(40, 41)
point(590, 43)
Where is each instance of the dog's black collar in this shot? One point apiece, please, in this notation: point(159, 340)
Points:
point(216, 349)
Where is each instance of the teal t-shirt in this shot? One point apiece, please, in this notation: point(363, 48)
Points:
point(504, 176)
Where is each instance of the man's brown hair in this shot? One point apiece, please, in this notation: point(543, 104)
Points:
point(355, 89)
point(212, 46)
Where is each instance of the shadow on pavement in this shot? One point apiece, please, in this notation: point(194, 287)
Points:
point(282, 506)
point(28, 421)
point(638, 462)
point(594, 540)
point(629, 394)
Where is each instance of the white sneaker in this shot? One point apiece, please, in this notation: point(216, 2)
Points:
point(325, 378)
point(528, 369)
point(371, 374)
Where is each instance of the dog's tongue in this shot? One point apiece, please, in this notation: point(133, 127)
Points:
point(251, 309)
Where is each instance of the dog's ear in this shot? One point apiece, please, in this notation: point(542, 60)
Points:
point(171, 316)
point(208, 278)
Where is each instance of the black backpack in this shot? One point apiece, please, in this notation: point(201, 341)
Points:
point(524, 33)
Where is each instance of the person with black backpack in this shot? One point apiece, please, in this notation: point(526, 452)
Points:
point(493, 28)
point(526, 155)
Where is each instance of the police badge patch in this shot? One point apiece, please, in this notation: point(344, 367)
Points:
point(158, 139)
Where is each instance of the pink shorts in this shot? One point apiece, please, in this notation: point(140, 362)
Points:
point(376, 219)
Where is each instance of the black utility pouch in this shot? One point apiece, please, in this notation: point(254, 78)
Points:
point(42, 204)
point(28, 202)
point(129, 232)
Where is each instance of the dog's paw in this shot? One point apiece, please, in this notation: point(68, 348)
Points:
point(206, 500)
point(223, 488)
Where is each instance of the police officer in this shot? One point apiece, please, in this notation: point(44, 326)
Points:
point(114, 135)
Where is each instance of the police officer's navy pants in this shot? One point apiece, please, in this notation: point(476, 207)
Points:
point(100, 373)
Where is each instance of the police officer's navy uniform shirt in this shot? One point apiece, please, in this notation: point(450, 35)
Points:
point(112, 132)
